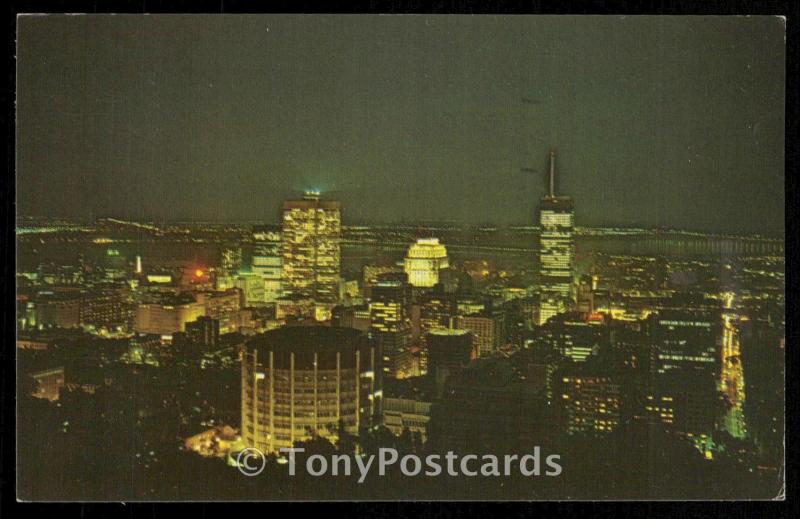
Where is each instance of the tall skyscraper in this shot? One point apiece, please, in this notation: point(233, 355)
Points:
point(230, 260)
point(267, 261)
point(311, 251)
point(556, 250)
point(434, 311)
point(390, 325)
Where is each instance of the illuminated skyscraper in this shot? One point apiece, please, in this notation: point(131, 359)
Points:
point(230, 260)
point(390, 325)
point(251, 285)
point(556, 250)
point(434, 311)
point(311, 251)
point(267, 261)
point(424, 260)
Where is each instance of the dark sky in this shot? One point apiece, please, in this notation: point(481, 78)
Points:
point(658, 121)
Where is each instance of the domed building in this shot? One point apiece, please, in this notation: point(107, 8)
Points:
point(424, 260)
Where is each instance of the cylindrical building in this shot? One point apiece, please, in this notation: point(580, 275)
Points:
point(303, 381)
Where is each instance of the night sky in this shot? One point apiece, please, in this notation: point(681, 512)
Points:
point(658, 121)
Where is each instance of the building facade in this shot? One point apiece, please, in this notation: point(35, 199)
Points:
point(424, 260)
point(302, 381)
point(590, 400)
point(686, 341)
point(167, 315)
point(390, 326)
point(487, 328)
point(230, 261)
point(556, 251)
point(311, 251)
point(267, 261)
point(107, 309)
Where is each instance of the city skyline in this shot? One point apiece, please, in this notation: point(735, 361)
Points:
point(649, 137)
point(551, 241)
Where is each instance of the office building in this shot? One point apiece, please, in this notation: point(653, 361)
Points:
point(556, 251)
point(252, 288)
point(683, 403)
point(230, 260)
point(226, 307)
point(311, 251)
point(686, 341)
point(487, 327)
point(584, 297)
point(167, 314)
point(423, 262)
point(390, 326)
point(107, 310)
point(357, 317)
point(115, 265)
point(573, 337)
point(267, 261)
point(590, 399)
point(372, 274)
point(54, 310)
point(433, 311)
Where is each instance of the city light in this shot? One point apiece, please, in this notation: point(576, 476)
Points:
point(338, 258)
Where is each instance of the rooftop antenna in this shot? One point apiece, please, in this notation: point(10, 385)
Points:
point(552, 173)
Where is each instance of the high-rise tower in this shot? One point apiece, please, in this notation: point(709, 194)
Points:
point(556, 250)
point(390, 325)
point(311, 251)
point(267, 260)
